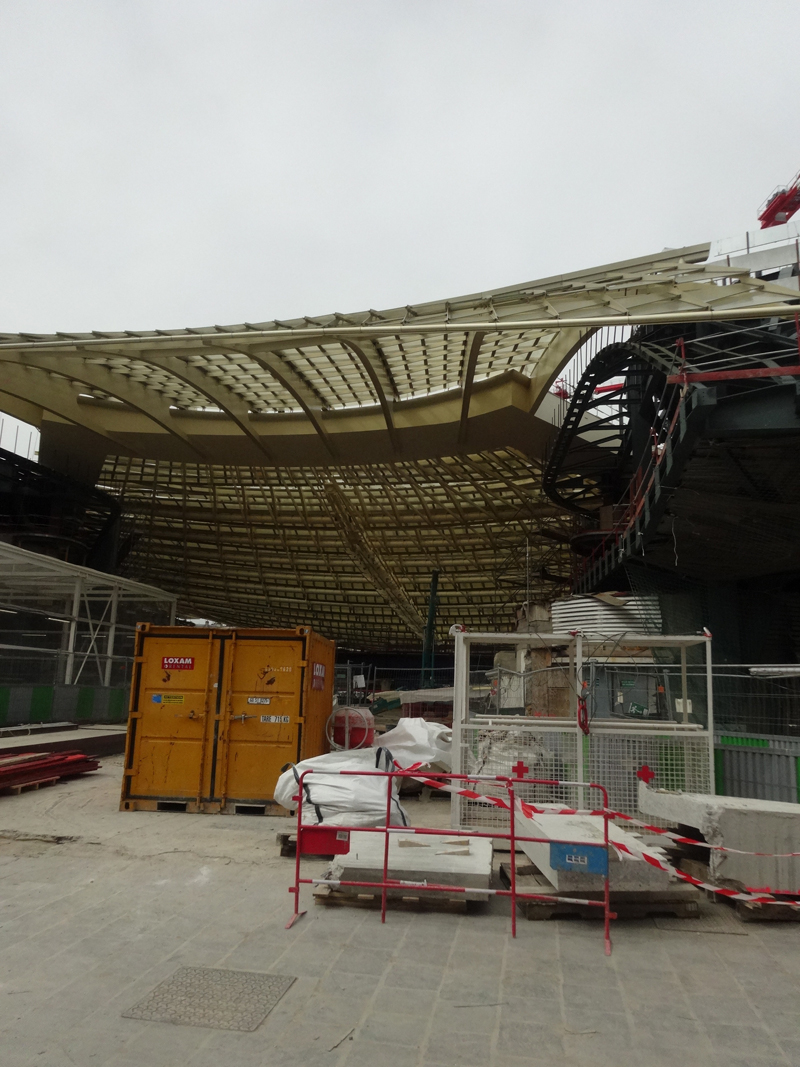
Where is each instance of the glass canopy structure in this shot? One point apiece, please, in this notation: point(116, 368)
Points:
point(317, 470)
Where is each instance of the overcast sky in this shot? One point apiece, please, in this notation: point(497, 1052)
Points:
point(169, 164)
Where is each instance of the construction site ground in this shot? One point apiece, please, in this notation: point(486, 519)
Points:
point(97, 907)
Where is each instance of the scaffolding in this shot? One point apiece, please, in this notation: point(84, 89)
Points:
point(676, 749)
point(65, 625)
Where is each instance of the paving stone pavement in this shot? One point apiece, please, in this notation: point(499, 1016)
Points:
point(89, 929)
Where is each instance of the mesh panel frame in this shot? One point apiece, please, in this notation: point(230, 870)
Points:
point(610, 757)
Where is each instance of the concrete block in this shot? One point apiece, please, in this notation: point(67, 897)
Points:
point(585, 830)
point(739, 822)
point(464, 861)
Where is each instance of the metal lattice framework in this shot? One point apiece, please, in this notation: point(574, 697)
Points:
point(417, 379)
point(346, 549)
point(316, 470)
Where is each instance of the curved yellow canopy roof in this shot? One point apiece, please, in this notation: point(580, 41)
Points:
point(316, 470)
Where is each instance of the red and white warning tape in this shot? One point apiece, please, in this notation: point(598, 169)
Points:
point(751, 895)
point(763, 895)
point(701, 844)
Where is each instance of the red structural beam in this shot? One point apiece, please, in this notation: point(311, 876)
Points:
point(733, 375)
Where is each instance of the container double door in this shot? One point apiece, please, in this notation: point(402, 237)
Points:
point(214, 719)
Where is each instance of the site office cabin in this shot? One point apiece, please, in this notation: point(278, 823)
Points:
point(216, 713)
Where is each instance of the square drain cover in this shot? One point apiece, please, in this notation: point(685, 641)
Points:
point(206, 996)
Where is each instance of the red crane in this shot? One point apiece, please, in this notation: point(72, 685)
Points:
point(780, 205)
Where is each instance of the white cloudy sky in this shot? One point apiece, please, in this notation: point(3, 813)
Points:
point(184, 162)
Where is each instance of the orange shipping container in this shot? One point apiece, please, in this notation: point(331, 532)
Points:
point(216, 713)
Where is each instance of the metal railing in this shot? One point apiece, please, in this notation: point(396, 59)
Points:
point(31, 666)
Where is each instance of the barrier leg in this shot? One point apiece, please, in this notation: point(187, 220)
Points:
point(513, 847)
point(606, 883)
point(389, 780)
point(296, 887)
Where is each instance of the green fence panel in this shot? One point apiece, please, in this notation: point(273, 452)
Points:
point(744, 742)
point(84, 709)
point(719, 773)
point(42, 703)
point(117, 704)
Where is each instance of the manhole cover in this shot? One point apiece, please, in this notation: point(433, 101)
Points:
point(206, 996)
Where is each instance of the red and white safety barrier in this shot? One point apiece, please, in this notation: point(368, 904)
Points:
point(764, 895)
point(308, 834)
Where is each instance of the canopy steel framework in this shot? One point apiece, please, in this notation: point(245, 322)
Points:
point(318, 470)
point(412, 381)
point(348, 550)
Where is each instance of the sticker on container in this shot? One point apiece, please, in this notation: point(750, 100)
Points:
point(173, 698)
point(342, 835)
point(317, 675)
point(177, 663)
point(276, 718)
point(259, 700)
point(156, 698)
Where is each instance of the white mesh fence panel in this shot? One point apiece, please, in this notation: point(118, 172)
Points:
point(547, 753)
point(610, 757)
point(679, 762)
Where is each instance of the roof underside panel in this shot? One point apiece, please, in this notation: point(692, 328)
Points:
point(347, 550)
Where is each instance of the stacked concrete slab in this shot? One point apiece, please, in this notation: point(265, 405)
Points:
point(457, 861)
point(738, 822)
point(562, 867)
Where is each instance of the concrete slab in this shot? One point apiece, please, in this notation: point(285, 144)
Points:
point(738, 822)
point(624, 875)
point(459, 861)
point(92, 740)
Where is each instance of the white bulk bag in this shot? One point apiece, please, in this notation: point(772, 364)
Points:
point(417, 741)
point(332, 799)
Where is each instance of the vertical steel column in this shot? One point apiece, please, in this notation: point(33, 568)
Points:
point(460, 713)
point(684, 686)
point(579, 735)
point(710, 716)
point(112, 633)
point(73, 629)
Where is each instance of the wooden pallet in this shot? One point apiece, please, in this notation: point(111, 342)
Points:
point(767, 913)
point(353, 898)
point(287, 843)
point(747, 912)
point(15, 790)
point(680, 901)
